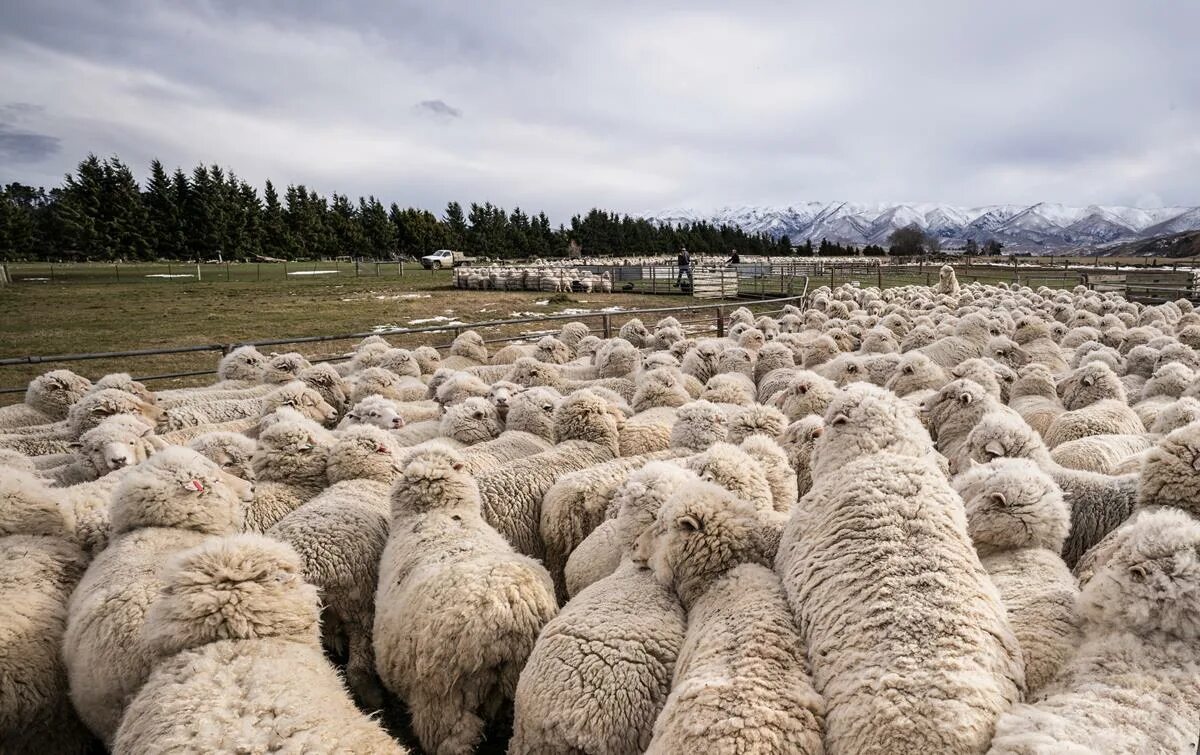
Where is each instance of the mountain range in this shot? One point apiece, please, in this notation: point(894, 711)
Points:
point(1043, 227)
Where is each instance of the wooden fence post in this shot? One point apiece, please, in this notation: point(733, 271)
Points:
point(720, 321)
point(879, 275)
point(607, 326)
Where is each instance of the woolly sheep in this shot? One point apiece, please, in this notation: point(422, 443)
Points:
point(1134, 682)
point(123, 381)
point(232, 452)
point(374, 410)
point(325, 380)
point(1100, 453)
point(845, 560)
point(1018, 521)
point(1105, 417)
point(647, 431)
point(587, 431)
point(1089, 384)
point(376, 381)
point(742, 683)
point(474, 420)
point(241, 667)
point(1099, 503)
point(915, 372)
point(947, 281)
point(736, 471)
point(117, 442)
point(592, 548)
point(864, 419)
point(284, 368)
point(39, 567)
point(807, 393)
point(169, 503)
point(457, 611)
point(660, 387)
point(339, 535)
point(797, 441)
point(1175, 415)
point(729, 388)
point(47, 399)
point(756, 420)
point(1170, 473)
point(289, 469)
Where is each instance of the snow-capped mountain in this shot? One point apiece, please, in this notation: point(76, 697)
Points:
point(1040, 227)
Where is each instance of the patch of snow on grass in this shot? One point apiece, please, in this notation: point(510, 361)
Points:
point(170, 275)
point(313, 272)
point(542, 303)
point(436, 318)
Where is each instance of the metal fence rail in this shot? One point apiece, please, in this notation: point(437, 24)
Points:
point(705, 318)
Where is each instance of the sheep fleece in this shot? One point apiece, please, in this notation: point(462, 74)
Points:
point(907, 635)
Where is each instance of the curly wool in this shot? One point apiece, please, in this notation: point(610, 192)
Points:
point(1105, 417)
point(741, 682)
point(39, 568)
point(458, 610)
point(1018, 521)
point(847, 557)
point(588, 432)
point(242, 668)
point(47, 399)
point(169, 503)
point(232, 452)
point(1104, 454)
point(1135, 681)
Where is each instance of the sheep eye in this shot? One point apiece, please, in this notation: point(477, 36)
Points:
point(374, 414)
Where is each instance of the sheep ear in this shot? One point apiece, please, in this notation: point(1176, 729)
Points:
point(101, 410)
point(840, 419)
point(74, 445)
point(817, 432)
point(148, 431)
point(995, 448)
point(457, 466)
point(965, 398)
point(999, 498)
point(1088, 380)
point(689, 524)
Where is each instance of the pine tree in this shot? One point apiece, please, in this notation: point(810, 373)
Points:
point(455, 226)
point(276, 242)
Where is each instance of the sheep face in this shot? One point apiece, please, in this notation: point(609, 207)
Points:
point(325, 380)
point(232, 452)
point(915, 372)
point(532, 411)
point(243, 363)
point(178, 488)
point(241, 587)
point(865, 419)
point(473, 421)
point(1150, 581)
point(428, 359)
point(400, 361)
point(701, 532)
point(375, 411)
point(433, 479)
point(119, 442)
point(1171, 471)
point(501, 395)
point(363, 453)
point(290, 449)
point(998, 435)
point(284, 368)
point(552, 351)
point(98, 406)
point(532, 373)
point(298, 396)
point(587, 416)
point(1010, 504)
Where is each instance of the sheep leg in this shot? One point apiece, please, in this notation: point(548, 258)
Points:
point(360, 671)
point(444, 728)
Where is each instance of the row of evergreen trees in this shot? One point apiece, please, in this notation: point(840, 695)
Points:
point(102, 213)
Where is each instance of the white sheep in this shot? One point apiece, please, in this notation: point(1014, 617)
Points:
point(47, 399)
point(1018, 521)
point(1134, 683)
point(1098, 502)
point(587, 432)
point(289, 470)
point(601, 669)
point(457, 610)
point(339, 535)
point(40, 565)
point(240, 665)
point(849, 555)
point(742, 682)
point(169, 503)
point(232, 452)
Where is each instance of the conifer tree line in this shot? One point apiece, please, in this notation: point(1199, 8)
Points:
point(101, 213)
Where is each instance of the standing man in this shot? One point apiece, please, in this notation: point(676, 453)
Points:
point(735, 258)
point(685, 267)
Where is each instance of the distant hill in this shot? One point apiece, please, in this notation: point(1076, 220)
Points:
point(1186, 244)
point(1043, 228)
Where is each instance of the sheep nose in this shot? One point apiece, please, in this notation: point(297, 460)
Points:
point(398, 422)
point(117, 463)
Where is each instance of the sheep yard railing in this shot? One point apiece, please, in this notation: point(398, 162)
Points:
point(697, 319)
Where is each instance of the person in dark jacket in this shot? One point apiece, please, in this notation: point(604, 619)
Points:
point(685, 268)
point(735, 258)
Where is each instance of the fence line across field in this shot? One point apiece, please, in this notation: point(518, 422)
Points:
point(609, 323)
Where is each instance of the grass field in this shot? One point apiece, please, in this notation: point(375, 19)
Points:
point(74, 316)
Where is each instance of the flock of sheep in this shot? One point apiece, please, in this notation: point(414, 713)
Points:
point(522, 278)
point(918, 520)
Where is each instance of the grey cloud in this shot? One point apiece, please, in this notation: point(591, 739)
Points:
point(439, 108)
point(23, 147)
point(625, 105)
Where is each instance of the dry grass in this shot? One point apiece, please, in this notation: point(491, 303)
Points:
point(47, 318)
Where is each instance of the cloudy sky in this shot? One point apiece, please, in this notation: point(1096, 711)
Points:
point(625, 105)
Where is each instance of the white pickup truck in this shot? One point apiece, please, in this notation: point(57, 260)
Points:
point(445, 258)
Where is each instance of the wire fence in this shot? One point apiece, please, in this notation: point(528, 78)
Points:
point(696, 320)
